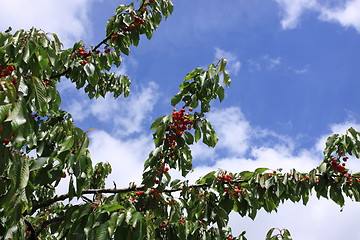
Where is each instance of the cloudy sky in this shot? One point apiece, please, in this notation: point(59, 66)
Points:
point(295, 66)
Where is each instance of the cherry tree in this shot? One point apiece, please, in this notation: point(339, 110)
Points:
point(41, 147)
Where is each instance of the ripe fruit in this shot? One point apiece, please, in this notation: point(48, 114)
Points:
point(11, 68)
point(139, 193)
point(107, 50)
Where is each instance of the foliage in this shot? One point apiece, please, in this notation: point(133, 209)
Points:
point(40, 147)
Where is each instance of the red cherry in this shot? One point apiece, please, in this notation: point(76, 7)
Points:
point(11, 67)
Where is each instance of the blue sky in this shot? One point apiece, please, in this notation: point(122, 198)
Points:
point(295, 68)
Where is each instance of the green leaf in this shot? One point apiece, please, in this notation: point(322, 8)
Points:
point(227, 79)
point(211, 70)
point(136, 217)
point(197, 134)
point(189, 139)
point(38, 163)
point(269, 233)
point(222, 65)
point(4, 109)
point(221, 93)
point(261, 170)
point(286, 235)
point(39, 94)
point(89, 69)
point(176, 99)
point(102, 232)
point(26, 53)
point(156, 123)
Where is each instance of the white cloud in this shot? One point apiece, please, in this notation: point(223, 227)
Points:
point(232, 128)
point(301, 70)
point(347, 15)
point(264, 62)
point(343, 12)
point(67, 18)
point(233, 65)
point(293, 9)
point(320, 219)
point(271, 62)
point(126, 117)
point(125, 156)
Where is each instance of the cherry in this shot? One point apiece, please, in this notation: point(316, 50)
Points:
point(11, 68)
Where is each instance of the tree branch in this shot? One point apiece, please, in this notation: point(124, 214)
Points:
point(33, 235)
point(116, 190)
point(48, 222)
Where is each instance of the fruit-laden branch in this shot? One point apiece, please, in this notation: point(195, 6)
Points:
point(63, 197)
point(46, 223)
point(31, 231)
point(222, 179)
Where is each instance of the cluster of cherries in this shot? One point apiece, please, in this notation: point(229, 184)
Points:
point(181, 122)
point(86, 55)
point(236, 192)
point(162, 168)
point(6, 71)
point(224, 177)
point(337, 165)
point(137, 21)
